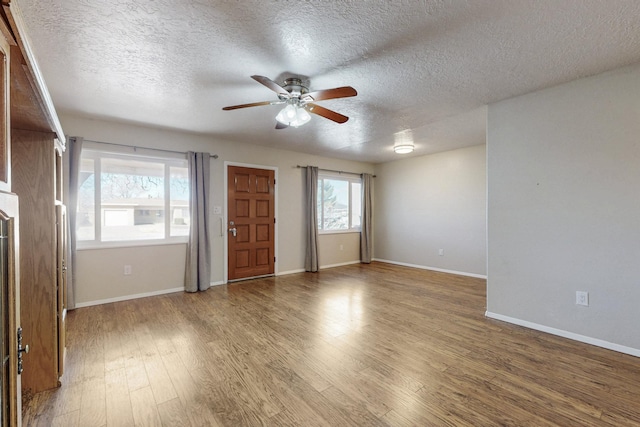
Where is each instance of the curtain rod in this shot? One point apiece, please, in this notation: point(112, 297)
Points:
point(215, 156)
point(332, 170)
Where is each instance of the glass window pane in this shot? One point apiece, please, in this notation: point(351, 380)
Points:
point(179, 203)
point(319, 207)
point(356, 204)
point(335, 204)
point(85, 220)
point(132, 199)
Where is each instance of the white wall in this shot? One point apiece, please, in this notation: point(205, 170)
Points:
point(338, 249)
point(423, 204)
point(564, 209)
point(100, 275)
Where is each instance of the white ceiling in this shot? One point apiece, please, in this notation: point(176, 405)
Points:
point(431, 66)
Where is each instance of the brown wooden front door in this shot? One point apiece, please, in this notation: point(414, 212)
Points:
point(251, 222)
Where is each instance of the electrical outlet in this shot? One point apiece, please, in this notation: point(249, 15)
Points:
point(341, 247)
point(441, 252)
point(127, 270)
point(582, 298)
point(217, 210)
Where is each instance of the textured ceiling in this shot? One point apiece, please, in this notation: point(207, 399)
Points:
point(429, 66)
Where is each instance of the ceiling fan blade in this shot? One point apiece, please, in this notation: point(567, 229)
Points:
point(253, 104)
point(271, 85)
point(281, 125)
point(326, 113)
point(339, 92)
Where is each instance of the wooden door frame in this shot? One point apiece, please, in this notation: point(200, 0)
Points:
point(225, 216)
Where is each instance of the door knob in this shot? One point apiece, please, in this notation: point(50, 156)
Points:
point(233, 231)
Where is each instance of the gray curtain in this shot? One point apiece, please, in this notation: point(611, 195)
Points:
point(311, 258)
point(367, 212)
point(198, 265)
point(74, 149)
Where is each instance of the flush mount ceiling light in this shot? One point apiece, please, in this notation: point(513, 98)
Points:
point(403, 142)
point(403, 148)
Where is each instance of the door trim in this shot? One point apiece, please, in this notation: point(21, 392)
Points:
point(225, 216)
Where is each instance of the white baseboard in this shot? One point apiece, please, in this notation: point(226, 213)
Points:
point(128, 297)
point(284, 273)
point(566, 334)
point(135, 296)
point(441, 270)
point(322, 267)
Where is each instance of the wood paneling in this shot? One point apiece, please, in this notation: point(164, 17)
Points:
point(27, 111)
point(356, 345)
point(31, 104)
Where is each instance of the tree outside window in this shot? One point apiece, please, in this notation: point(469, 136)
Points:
point(134, 198)
point(339, 206)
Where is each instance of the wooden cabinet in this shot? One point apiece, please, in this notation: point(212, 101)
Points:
point(31, 146)
point(35, 174)
point(9, 302)
point(32, 224)
point(10, 388)
point(61, 282)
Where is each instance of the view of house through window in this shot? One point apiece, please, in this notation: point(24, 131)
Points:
point(339, 203)
point(131, 198)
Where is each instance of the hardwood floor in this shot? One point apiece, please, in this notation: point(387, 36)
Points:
point(355, 345)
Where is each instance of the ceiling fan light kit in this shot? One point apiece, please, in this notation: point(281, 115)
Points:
point(293, 115)
point(299, 102)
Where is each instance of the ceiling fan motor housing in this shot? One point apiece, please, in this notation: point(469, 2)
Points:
point(295, 87)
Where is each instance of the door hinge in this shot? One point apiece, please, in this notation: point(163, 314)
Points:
point(21, 350)
point(274, 220)
point(274, 259)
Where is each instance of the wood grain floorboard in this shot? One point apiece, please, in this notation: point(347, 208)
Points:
point(145, 408)
point(93, 411)
point(173, 414)
point(357, 345)
point(70, 419)
point(118, 399)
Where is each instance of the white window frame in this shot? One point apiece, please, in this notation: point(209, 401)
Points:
point(97, 154)
point(338, 177)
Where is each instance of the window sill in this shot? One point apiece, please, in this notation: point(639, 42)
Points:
point(323, 232)
point(83, 246)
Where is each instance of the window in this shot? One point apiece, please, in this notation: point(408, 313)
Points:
point(339, 203)
point(131, 198)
